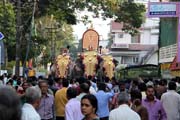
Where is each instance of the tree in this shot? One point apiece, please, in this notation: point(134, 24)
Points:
point(65, 11)
point(128, 12)
point(133, 18)
point(55, 34)
point(7, 26)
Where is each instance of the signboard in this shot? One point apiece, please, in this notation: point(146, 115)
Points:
point(2, 57)
point(166, 9)
point(1, 36)
point(178, 42)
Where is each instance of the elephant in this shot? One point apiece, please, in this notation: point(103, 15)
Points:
point(61, 67)
point(90, 63)
point(107, 66)
point(87, 64)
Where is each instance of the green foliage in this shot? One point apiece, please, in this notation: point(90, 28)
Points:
point(10, 66)
point(7, 23)
point(49, 29)
point(138, 72)
point(8, 28)
point(130, 13)
point(65, 12)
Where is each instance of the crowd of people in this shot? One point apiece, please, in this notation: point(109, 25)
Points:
point(88, 99)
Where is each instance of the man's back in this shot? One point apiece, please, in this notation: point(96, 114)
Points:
point(171, 103)
point(103, 100)
point(60, 101)
point(123, 112)
point(73, 110)
point(29, 113)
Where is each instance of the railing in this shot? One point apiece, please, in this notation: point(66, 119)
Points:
point(148, 55)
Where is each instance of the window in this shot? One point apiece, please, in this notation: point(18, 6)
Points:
point(120, 35)
point(126, 60)
point(135, 59)
point(135, 39)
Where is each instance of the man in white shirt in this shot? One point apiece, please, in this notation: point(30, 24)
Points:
point(123, 112)
point(73, 106)
point(171, 102)
point(33, 96)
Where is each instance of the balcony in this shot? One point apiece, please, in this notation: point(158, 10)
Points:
point(120, 46)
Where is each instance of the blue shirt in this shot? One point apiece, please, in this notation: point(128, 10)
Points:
point(103, 102)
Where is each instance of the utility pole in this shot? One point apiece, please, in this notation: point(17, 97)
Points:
point(18, 36)
point(52, 31)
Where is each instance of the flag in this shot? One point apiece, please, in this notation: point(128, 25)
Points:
point(30, 64)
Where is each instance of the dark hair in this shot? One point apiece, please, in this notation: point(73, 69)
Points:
point(172, 85)
point(71, 92)
point(14, 77)
point(65, 83)
point(89, 77)
point(163, 82)
point(88, 82)
point(92, 99)
point(84, 87)
point(101, 86)
point(40, 77)
point(42, 81)
point(149, 86)
point(81, 80)
point(106, 79)
point(25, 83)
point(10, 106)
point(135, 94)
point(10, 81)
point(142, 86)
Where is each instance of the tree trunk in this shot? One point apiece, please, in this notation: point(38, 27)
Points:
point(18, 36)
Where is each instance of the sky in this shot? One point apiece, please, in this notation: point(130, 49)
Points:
point(99, 25)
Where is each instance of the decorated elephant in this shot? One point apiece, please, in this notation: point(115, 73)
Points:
point(108, 65)
point(87, 64)
point(62, 65)
point(90, 63)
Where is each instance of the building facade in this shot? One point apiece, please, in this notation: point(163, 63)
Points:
point(168, 48)
point(135, 50)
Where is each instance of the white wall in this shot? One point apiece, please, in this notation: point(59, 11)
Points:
point(125, 40)
point(151, 22)
point(150, 32)
point(145, 37)
point(154, 39)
